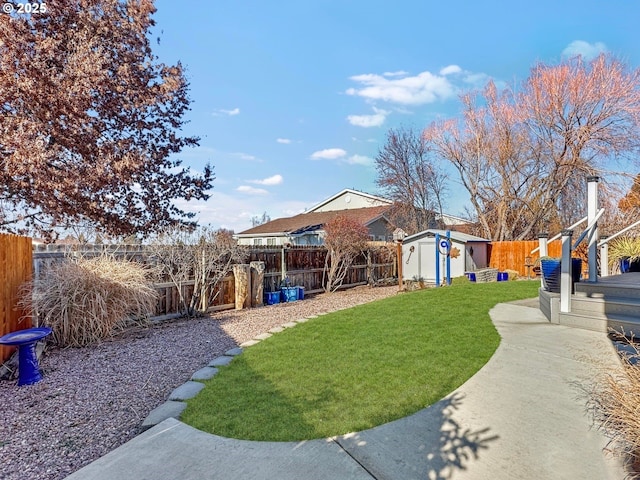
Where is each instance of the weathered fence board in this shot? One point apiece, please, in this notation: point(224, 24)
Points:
point(15, 269)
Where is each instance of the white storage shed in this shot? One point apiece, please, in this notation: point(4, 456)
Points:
point(419, 255)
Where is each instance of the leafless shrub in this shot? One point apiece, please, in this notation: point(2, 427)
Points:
point(345, 240)
point(87, 299)
point(203, 256)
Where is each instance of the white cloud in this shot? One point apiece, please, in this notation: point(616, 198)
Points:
point(399, 73)
point(360, 160)
point(251, 190)
point(273, 180)
point(286, 141)
point(448, 70)
point(587, 50)
point(417, 90)
point(246, 156)
point(374, 120)
point(477, 80)
point(234, 211)
point(222, 111)
point(329, 154)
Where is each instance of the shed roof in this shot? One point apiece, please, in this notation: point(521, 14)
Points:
point(458, 236)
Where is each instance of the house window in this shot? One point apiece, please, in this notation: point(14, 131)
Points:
point(257, 241)
point(271, 241)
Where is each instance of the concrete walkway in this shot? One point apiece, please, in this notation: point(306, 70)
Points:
point(522, 416)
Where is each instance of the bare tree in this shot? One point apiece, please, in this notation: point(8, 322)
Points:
point(90, 121)
point(345, 239)
point(524, 156)
point(409, 175)
point(204, 256)
point(259, 220)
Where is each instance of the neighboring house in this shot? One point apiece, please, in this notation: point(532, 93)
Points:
point(307, 228)
point(419, 255)
point(349, 199)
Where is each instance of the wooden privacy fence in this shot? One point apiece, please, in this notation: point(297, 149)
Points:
point(168, 302)
point(512, 255)
point(15, 269)
point(304, 266)
point(299, 265)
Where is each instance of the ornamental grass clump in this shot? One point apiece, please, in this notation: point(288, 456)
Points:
point(615, 403)
point(87, 299)
point(624, 248)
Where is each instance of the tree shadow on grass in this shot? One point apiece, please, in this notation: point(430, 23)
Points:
point(430, 444)
point(245, 405)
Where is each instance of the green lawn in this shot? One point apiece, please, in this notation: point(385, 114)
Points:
point(357, 368)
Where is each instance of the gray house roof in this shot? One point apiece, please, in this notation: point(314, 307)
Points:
point(311, 221)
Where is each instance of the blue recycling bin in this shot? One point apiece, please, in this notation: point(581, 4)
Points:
point(271, 298)
point(289, 294)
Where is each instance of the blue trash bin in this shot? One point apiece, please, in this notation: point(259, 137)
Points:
point(271, 298)
point(300, 292)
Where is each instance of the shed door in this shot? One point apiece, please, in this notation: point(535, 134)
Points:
point(427, 260)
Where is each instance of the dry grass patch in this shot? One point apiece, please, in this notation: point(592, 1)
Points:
point(615, 405)
point(86, 299)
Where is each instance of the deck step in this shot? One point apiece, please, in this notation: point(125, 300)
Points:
point(604, 310)
point(605, 305)
point(628, 325)
point(607, 289)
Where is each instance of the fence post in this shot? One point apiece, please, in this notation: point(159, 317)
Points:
point(257, 281)
point(592, 210)
point(566, 282)
point(243, 285)
point(604, 258)
point(283, 263)
point(542, 248)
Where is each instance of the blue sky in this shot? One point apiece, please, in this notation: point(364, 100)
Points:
point(293, 99)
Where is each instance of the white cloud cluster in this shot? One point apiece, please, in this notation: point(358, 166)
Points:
point(269, 181)
point(285, 141)
point(360, 160)
point(251, 190)
point(587, 50)
point(328, 154)
point(404, 90)
point(222, 111)
point(375, 120)
point(341, 156)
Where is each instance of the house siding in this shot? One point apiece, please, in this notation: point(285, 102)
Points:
point(356, 200)
point(379, 230)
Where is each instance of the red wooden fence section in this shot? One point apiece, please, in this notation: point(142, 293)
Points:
point(512, 255)
point(16, 260)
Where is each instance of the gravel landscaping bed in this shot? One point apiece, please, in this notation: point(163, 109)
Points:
point(94, 399)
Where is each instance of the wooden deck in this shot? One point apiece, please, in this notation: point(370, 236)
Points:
point(611, 303)
point(631, 278)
